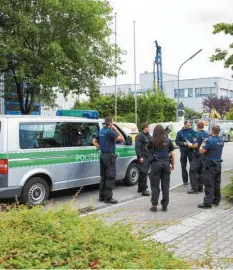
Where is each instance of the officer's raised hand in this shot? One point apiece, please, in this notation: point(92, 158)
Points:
point(141, 160)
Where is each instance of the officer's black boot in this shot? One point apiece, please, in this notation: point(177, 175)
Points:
point(193, 191)
point(146, 193)
point(204, 206)
point(185, 183)
point(164, 208)
point(200, 189)
point(101, 198)
point(153, 208)
point(111, 201)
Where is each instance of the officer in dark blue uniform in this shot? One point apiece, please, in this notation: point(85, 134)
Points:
point(183, 137)
point(141, 142)
point(161, 147)
point(197, 160)
point(106, 142)
point(211, 175)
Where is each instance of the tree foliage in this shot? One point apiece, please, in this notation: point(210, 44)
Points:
point(152, 108)
point(191, 114)
point(229, 115)
point(222, 105)
point(225, 55)
point(56, 44)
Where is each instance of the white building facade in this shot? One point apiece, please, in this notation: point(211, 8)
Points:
point(191, 93)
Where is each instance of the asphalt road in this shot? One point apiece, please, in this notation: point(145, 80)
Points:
point(88, 196)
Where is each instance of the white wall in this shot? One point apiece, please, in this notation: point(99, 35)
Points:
point(146, 79)
point(62, 103)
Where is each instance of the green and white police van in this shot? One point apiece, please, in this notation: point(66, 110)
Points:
point(40, 154)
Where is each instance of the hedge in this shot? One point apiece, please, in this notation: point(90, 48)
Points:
point(61, 238)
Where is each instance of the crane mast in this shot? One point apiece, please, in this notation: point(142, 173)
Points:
point(159, 70)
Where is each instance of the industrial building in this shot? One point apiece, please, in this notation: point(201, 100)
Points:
point(191, 93)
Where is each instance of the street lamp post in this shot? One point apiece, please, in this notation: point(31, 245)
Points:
point(135, 86)
point(178, 99)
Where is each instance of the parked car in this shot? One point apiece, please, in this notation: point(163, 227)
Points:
point(226, 131)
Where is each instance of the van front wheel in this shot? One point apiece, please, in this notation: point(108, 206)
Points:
point(132, 175)
point(35, 191)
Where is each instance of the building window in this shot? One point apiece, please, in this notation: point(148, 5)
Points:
point(183, 93)
point(223, 92)
point(231, 93)
point(205, 91)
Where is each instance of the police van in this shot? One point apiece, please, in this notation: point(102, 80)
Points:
point(40, 154)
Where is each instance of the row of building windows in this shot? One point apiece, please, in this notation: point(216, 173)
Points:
point(199, 92)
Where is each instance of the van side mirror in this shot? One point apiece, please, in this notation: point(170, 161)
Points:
point(128, 140)
point(168, 129)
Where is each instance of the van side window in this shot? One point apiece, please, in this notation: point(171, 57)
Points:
point(81, 134)
point(42, 135)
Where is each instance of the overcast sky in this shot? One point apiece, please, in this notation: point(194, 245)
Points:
point(181, 27)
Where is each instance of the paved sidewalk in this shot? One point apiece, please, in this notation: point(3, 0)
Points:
point(189, 231)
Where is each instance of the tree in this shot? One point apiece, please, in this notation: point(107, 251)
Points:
point(56, 45)
point(191, 114)
point(152, 108)
point(229, 115)
point(224, 55)
point(221, 105)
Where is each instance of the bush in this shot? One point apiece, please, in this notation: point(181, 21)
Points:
point(35, 238)
point(152, 107)
point(228, 190)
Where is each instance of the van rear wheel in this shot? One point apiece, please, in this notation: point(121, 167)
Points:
point(132, 175)
point(35, 191)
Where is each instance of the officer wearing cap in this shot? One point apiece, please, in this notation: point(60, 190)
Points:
point(196, 163)
point(141, 142)
point(161, 147)
point(184, 136)
point(106, 142)
point(211, 176)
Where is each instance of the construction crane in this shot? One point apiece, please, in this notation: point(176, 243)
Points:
point(159, 70)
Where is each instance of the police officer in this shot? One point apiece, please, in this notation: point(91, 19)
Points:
point(106, 142)
point(183, 137)
point(197, 160)
point(161, 147)
point(141, 142)
point(211, 175)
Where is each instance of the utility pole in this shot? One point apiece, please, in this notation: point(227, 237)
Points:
point(115, 67)
point(135, 85)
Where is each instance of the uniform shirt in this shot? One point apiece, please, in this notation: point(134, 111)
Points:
point(107, 140)
point(214, 146)
point(141, 142)
point(201, 136)
point(183, 135)
point(162, 152)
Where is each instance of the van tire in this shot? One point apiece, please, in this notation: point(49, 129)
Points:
point(35, 191)
point(132, 175)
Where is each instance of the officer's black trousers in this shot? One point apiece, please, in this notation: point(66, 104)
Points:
point(211, 178)
point(195, 171)
point(184, 157)
point(143, 174)
point(108, 175)
point(160, 171)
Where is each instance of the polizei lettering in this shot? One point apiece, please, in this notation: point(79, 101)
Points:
point(87, 157)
